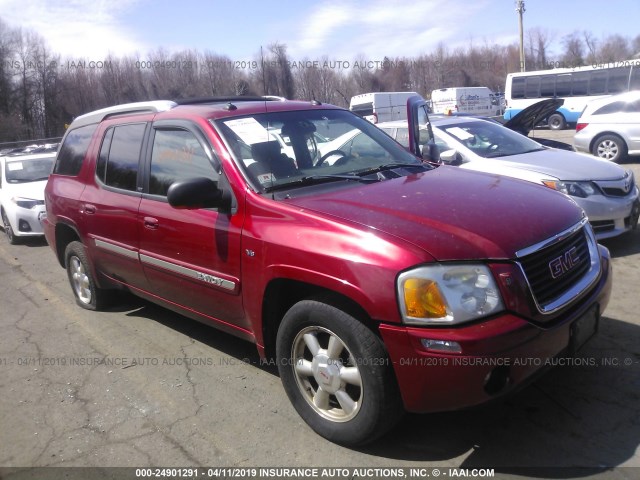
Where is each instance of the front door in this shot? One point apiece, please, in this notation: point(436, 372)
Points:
point(191, 257)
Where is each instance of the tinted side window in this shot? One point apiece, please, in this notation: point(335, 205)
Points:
point(548, 86)
point(563, 85)
point(101, 167)
point(517, 88)
point(177, 154)
point(614, 107)
point(580, 84)
point(532, 87)
point(121, 167)
point(73, 150)
point(619, 80)
point(598, 83)
point(632, 107)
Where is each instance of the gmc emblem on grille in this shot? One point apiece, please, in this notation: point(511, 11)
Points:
point(564, 263)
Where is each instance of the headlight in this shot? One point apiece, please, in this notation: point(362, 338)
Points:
point(25, 202)
point(574, 189)
point(447, 294)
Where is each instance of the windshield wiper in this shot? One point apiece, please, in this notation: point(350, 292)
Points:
point(393, 166)
point(314, 179)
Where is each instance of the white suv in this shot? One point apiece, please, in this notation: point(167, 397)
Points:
point(609, 127)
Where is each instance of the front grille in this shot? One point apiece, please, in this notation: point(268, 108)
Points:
point(617, 188)
point(601, 226)
point(569, 268)
point(615, 192)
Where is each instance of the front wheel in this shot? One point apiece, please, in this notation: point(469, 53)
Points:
point(85, 291)
point(337, 374)
point(8, 230)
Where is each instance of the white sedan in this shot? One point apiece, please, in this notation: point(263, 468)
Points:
point(22, 182)
point(607, 192)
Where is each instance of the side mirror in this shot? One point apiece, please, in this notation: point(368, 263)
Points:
point(451, 157)
point(429, 151)
point(195, 193)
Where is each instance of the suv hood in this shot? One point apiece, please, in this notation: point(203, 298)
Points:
point(452, 214)
point(560, 164)
point(528, 118)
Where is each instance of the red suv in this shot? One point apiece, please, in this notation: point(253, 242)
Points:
point(379, 283)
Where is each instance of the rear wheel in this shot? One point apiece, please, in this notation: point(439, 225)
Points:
point(85, 291)
point(8, 230)
point(337, 374)
point(609, 147)
point(557, 122)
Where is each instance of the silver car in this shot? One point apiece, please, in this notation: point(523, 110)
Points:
point(607, 192)
point(610, 127)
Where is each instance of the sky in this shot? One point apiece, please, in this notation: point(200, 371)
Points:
point(340, 29)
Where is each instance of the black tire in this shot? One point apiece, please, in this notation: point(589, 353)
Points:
point(556, 122)
point(8, 230)
point(353, 382)
point(610, 147)
point(83, 285)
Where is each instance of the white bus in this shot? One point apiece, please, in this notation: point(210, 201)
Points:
point(576, 86)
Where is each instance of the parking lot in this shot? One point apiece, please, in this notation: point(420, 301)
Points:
point(141, 386)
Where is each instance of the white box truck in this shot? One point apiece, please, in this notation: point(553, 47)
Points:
point(381, 106)
point(474, 100)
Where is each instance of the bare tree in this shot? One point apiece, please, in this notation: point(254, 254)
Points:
point(592, 47)
point(614, 47)
point(573, 55)
point(539, 41)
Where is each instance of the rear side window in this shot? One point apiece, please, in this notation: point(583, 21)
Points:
point(177, 154)
point(119, 156)
point(614, 107)
point(632, 107)
point(73, 150)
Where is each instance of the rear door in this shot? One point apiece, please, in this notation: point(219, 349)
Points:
point(191, 257)
point(109, 203)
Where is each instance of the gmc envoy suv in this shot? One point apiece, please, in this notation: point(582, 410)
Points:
point(379, 282)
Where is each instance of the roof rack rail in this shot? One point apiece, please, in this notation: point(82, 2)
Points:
point(97, 116)
point(228, 99)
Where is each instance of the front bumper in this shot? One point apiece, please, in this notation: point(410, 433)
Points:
point(610, 216)
point(27, 222)
point(498, 355)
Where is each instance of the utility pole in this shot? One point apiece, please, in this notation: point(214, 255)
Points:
point(520, 9)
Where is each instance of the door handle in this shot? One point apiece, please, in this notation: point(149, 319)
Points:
point(89, 209)
point(151, 223)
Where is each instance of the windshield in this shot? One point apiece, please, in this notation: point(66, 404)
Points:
point(23, 171)
point(490, 140)
point(322, 145)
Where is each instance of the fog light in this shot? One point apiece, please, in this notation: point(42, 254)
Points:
point(448, 346)
point(24, 226)
point(497, 380)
